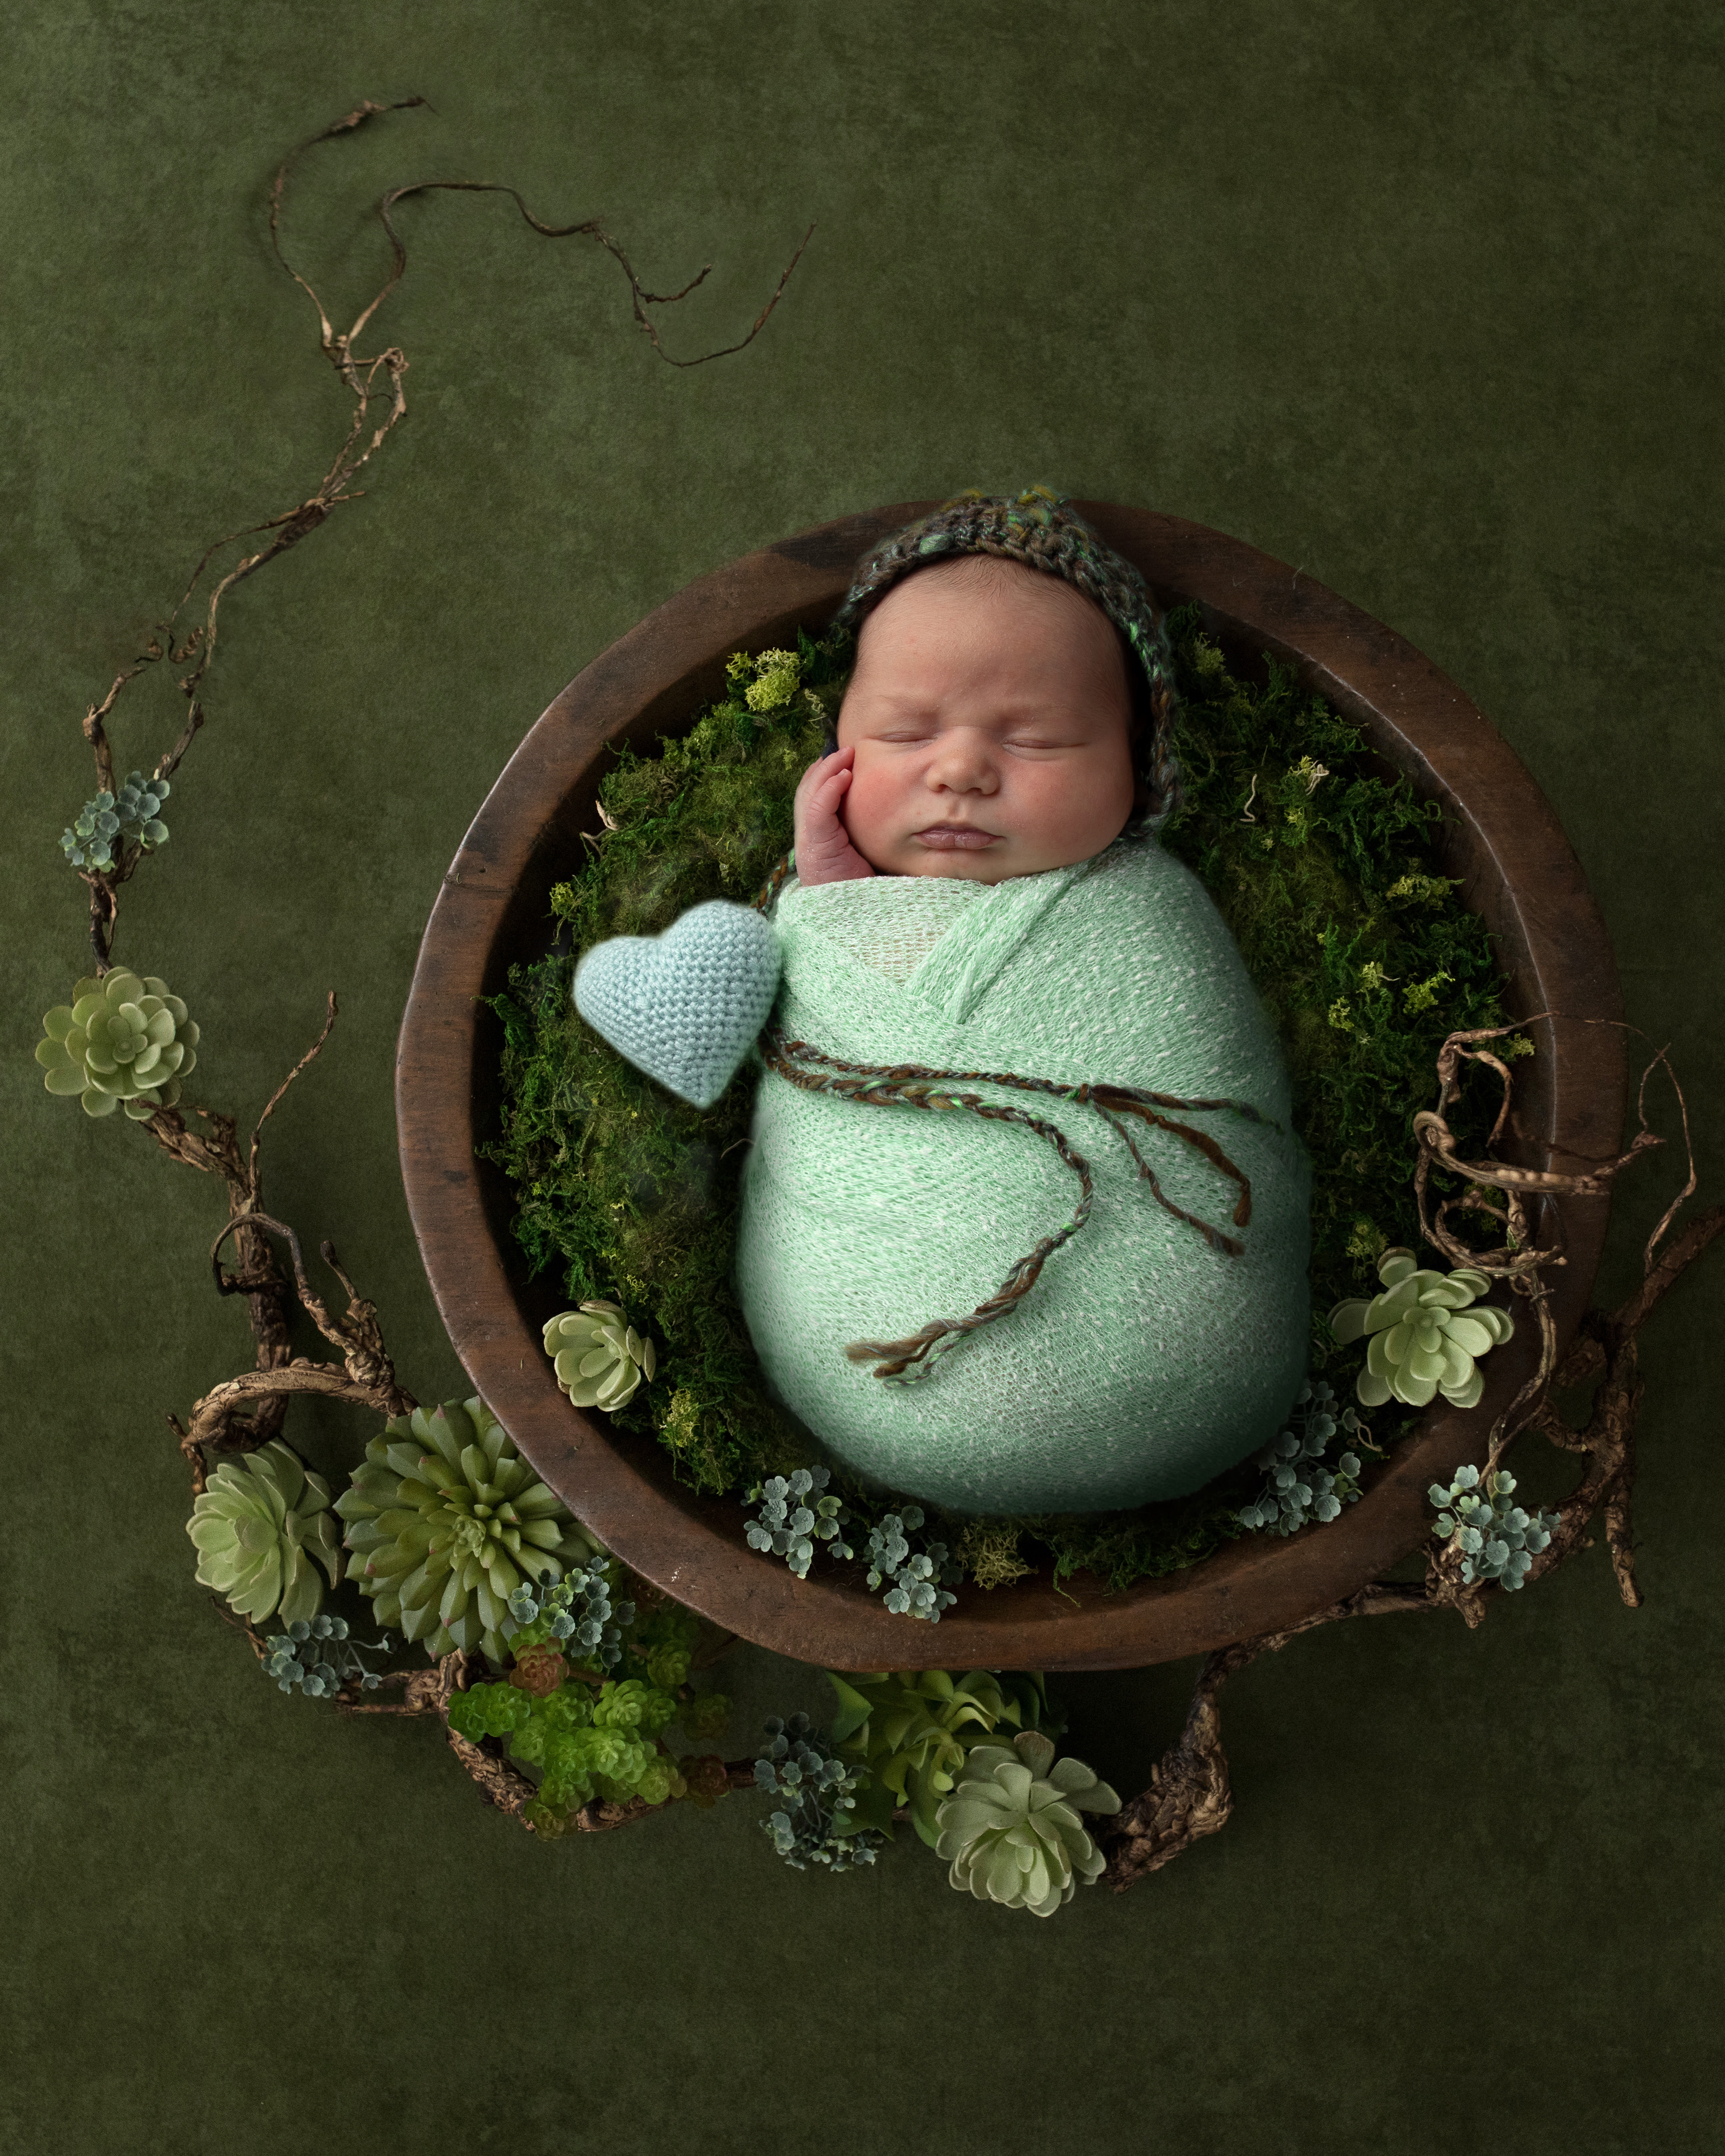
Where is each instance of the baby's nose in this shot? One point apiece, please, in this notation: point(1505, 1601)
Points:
point(964, 766)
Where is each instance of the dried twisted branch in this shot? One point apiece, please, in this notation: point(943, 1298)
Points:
point(375, 382)
point(1188, 1796)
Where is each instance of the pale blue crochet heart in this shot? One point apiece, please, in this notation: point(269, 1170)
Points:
point(684, 1006)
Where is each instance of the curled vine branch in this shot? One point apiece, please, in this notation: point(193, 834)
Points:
point(375, 382)
point(1188, 1796)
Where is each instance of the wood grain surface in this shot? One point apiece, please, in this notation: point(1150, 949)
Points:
point(1501, 838)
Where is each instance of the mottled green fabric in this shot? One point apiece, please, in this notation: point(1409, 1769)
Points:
point(1422, 302)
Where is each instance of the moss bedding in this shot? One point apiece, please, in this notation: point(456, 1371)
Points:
point(1328, 877)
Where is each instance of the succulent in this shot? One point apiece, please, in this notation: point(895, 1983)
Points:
point(914, 1728)
point(815, 1825)
point(1011, 1829)
point(258, 1525)
point(584, 1744)
point(790, 1526)
point(915, 1584)
point(599, 1357)
point(1498, 1540)
point(1425, 1337)
point(1299, 1488)
point(445, 1522)
point(574, 1612)
point(316, 1653)
point(110, 820)
point(121, 1041)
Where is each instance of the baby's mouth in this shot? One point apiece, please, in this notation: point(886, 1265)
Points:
point(955, 837)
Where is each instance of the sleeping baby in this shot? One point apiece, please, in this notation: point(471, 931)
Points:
point(1024, 1223)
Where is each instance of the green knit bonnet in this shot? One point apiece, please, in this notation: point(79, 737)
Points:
point(1038, 528)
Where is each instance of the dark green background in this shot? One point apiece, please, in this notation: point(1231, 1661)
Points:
point(1424, 301)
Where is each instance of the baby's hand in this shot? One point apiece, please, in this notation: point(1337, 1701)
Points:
point(825, 852)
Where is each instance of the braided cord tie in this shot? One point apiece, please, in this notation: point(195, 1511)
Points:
point(913, 1086)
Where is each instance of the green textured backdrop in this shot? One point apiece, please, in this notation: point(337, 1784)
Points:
point(1425, 302)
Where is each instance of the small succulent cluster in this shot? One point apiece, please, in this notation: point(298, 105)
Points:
point(915, 1583)
point(316, 1655)
point(790, 1526)
point(576, 1610)
point(913, 1729)
point(1011, 1829)
point(1300, 1487)
point(1498, 1540)
point(123, 1041)
point(258, 1525)
point(597, 1355)
point(815, 1824)
point(585, 1744)
point(1426, 1331)
point(445, 1522)
point(105, 826)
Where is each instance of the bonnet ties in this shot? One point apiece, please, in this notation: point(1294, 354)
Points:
point(914, 1086)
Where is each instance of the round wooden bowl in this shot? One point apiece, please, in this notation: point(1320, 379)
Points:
point(1500, 837)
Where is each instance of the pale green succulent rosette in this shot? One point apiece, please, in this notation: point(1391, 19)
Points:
point(914, 1729)
point(599, 1356)
point(1011, 1829)
point(1424, 1333)
point(445, 1521)
point(121, 1042)
point(258, 1525)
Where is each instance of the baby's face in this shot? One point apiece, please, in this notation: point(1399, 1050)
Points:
point(992, 725)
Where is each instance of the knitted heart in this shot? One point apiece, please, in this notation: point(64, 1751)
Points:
point(684, 1006)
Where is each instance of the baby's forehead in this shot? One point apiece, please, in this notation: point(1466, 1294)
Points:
point(983, 582)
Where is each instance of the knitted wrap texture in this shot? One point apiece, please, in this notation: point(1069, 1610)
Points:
point(1038, 528)
point(1145, 1360)
point(686, 1006)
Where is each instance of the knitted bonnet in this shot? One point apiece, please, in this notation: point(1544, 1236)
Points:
point(1040, 529)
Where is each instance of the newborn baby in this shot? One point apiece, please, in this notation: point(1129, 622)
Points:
point(1073, 1278)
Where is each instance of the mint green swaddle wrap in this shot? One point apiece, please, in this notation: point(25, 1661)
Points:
point(1144, 1359)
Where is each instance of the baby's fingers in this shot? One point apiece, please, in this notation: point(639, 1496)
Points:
point(823, 785)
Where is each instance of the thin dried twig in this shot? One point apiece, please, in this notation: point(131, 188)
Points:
point(375, 381)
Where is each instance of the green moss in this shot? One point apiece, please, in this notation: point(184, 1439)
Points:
point(1328, 876)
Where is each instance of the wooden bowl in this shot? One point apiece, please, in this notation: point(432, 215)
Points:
point(1501, 838)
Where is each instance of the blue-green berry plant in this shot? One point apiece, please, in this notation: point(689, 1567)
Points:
point(796, 1513)
point(1300, 1486)
point(816, 1820)
point(103, 829)
point(916, 1582)
point(577, 1612)
point(1496, 1539)
point(316, 1656)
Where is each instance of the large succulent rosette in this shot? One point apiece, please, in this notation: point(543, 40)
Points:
point(1425, 1334)
point(258, 1524)
point(1011, 1829)
point(445, 1520)
point(121, 1042)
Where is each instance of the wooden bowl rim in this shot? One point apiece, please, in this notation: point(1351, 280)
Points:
point(1518, 871)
